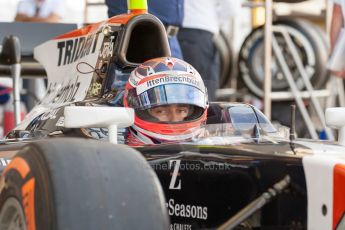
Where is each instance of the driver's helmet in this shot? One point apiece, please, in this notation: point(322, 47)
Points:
point(164, 87)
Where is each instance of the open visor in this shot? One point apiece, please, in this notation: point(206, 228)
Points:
point(172, 94)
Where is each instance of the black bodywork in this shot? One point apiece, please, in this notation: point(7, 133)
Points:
point(221, 180)
point(207, 184)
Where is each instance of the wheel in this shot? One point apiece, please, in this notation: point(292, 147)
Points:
point(310, 44)
point(80, 184)
point(226, 59)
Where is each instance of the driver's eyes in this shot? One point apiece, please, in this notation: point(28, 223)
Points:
point(161, 111)
point(183, 110)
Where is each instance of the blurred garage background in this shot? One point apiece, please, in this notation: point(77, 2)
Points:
point(241, 49)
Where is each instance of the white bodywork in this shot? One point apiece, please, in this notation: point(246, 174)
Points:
point(335, 118)
point(320, 171)
point(100, 117)
point(68, 79)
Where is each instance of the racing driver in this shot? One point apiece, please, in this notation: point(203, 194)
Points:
point(170, 101)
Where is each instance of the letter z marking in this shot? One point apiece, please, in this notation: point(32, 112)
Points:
point(173, 184)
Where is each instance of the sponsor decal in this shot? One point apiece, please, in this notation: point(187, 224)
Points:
point(95, 89)
point(177, 226)
point(174, 183)
point(108, 48)
point(170, 79)
point(49, 115)
point(186, 210)
point(74, 49)
point(61, 94)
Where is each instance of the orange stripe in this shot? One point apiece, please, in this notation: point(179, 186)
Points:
point(152, 77)
point(28, 194)
point(120, 19)
point(138, 11)
point(338, 193)
point(80, 32)
point(20, 165)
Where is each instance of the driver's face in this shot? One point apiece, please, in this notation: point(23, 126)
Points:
point(170, 113)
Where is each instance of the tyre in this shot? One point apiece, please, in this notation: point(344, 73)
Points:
point(80, 184)
point(226, 59)
point(310, 44)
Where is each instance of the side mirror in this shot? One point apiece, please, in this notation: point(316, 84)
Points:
point(99, 117)
point(335, 118)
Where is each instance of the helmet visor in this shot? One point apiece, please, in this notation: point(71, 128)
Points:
point(172, 94)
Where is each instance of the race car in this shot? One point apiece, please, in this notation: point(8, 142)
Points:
point(240, 172)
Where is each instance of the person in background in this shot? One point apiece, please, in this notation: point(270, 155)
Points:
point(200, 24)
point(170, 12)
point(40, 11)
point(337, 23)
